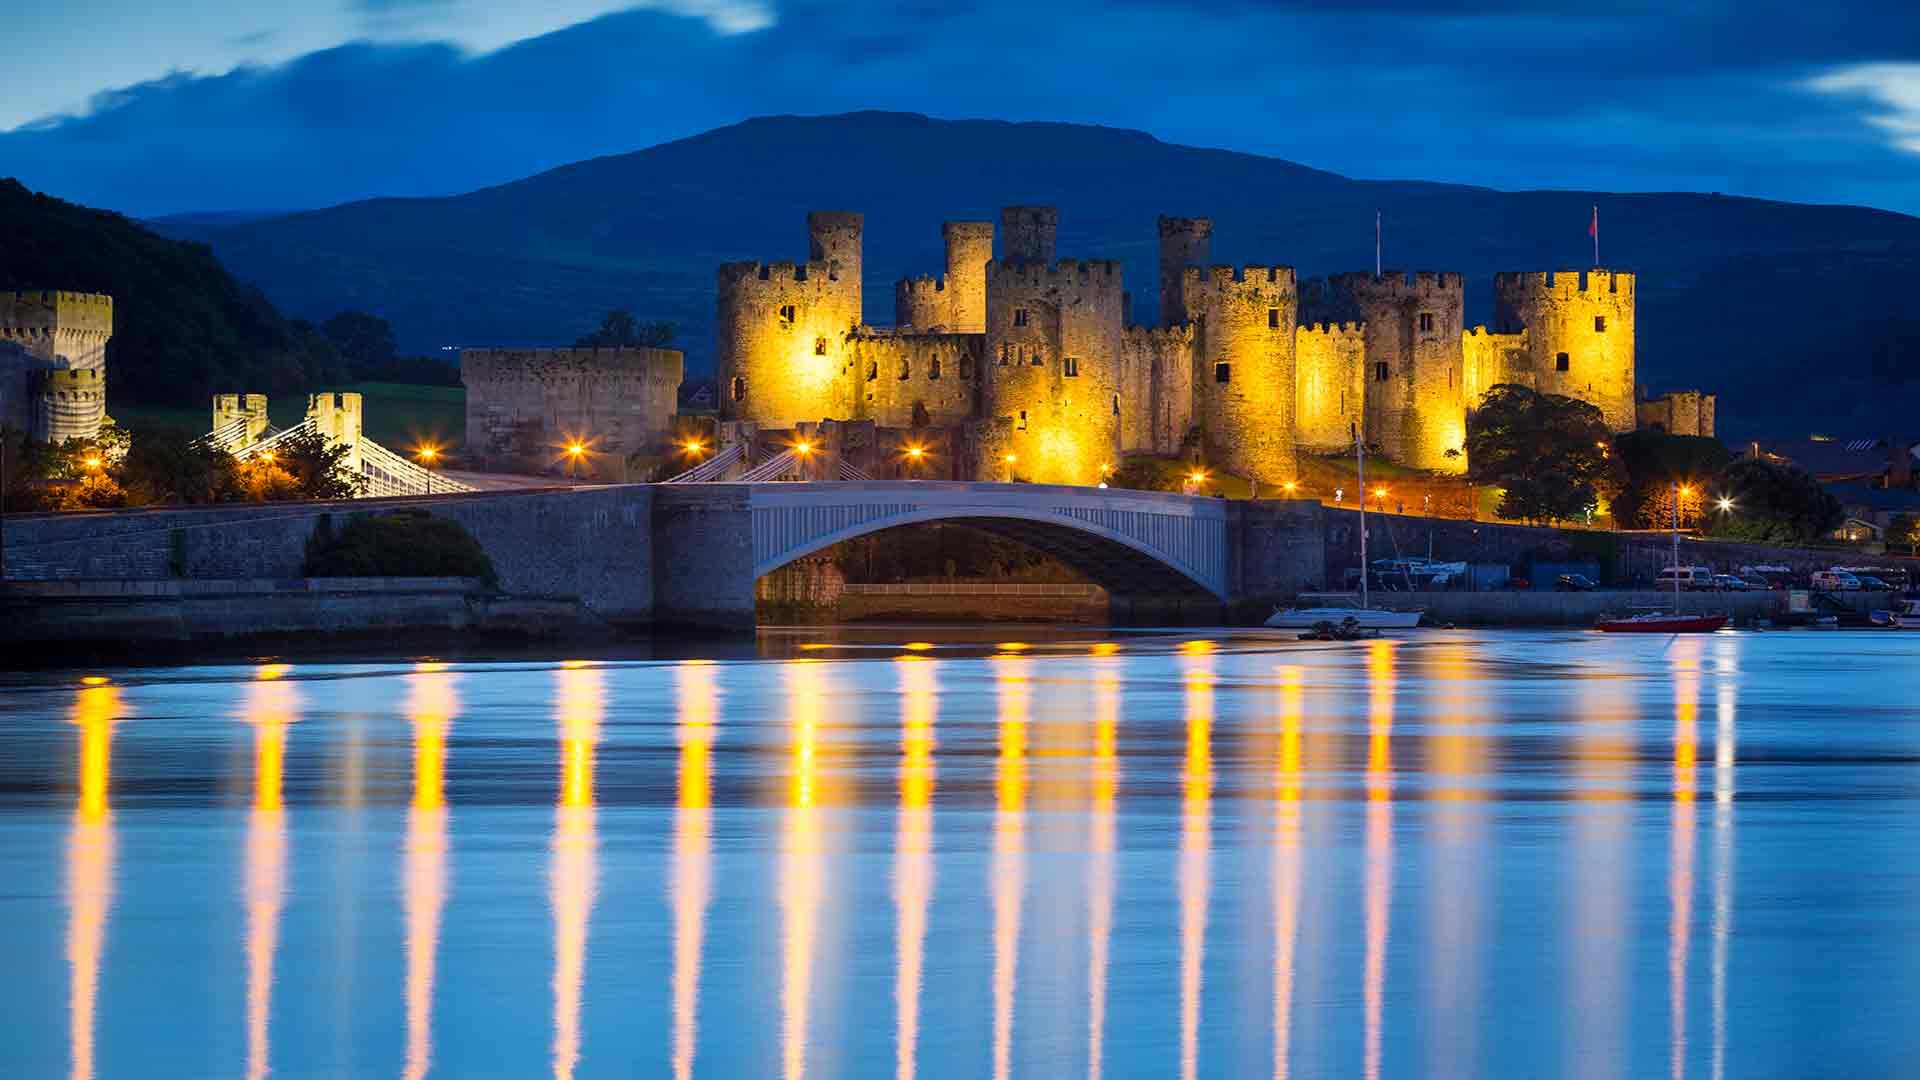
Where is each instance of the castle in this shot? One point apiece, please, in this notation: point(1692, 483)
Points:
point(524, 405)
point(1023, 365)
point(53, 363)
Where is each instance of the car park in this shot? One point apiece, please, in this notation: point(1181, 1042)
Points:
point(1575, 583)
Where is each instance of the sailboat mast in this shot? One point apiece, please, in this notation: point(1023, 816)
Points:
point(1676, 549)
point(1360, 460)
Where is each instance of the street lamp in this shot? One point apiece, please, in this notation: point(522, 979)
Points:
point(427, 455)
point(575, 451)
point(915, 455)
point(1010, 459)
point(693, 447)
point(1290, 487)
point(1725, 504)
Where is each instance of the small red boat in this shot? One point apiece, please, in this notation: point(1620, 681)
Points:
point(1658, 622)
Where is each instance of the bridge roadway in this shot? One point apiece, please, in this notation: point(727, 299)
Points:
point(691, 553)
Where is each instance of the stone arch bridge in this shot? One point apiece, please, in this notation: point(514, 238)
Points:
point(691, 553)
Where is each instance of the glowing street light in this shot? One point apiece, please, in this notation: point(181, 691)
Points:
point(93, 462)
point(916, 452)
point(1725, 504)
point(575, 451)
point(428, 455)
point(267, 457)
point(1289, 487)
point(803, 448)
point(1010, 459)
point(693, 446)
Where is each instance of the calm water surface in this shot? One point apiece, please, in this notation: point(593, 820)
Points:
point(1548, 854)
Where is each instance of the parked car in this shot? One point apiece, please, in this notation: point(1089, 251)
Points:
point(1835, 581)
point(1730, 583)
point(1869, 583)
point(1575, 583)
point(1688, 577)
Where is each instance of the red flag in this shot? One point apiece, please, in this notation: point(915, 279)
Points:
point(1593, 229)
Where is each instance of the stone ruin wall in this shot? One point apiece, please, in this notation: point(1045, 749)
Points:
point(1682, 412)
point(1329, 384)
point(1558, 310)
point(892, 370)
point(1244, 367)
point(1057, 378)
point(1156, 389)
point(524, 404)
point(1416, 412)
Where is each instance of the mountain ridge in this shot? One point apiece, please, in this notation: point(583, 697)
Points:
point(1733, 291)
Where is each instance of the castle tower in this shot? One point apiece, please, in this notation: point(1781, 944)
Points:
point(251, 408)
point(781, 331)
point(1184, 242)
point(969, 250)
point(57, 368)
point(1579, 333)
point(1029, 233)
point(1052, 370)
point(338, 416)
point(1244, 379)
point(1414, 372)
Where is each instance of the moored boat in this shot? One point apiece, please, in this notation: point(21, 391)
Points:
point(1663, 622)
point(1904, 617)
point(1305, 618)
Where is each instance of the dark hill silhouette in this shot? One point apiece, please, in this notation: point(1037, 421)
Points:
point(1799, 316)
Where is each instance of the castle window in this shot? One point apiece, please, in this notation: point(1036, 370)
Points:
point(786, 315)
point(1426, 322)
point(1599, 324)
point(1560, 362)
point(1222, 371)
point(1037, 360)
point(1070, 367)
point(933, 369)
point(1020, 316)
point(1116, 404)
point(1380, 372)
point(820, 346)
point(966, 368)
point(873, 370)
point(906, 369)
point(1006, 355)
point(1273, 318)
point(1023, 419)
point(739, 388)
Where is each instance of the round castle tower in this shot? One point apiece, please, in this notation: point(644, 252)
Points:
point(1579, 334)
point(1415, 411)
point(781, 331)
point(1184, 242)
point(1051, 367)
point(1244, 379)
point(969, 250)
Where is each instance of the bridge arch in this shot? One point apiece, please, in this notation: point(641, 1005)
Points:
point(1131, 542)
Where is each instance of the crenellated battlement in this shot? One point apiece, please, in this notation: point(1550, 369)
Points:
point(1096, 272)
point(1355, 330)
point(1396, 284)
point(1158, 336)
point(50, 310)
point(1222, 275)
point(1482, 332)
point(743, 274)
point(544, 365)
point(1565, 282)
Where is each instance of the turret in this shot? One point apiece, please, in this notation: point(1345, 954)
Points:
point(1184, 242)
point(1244, 378)
point(1580, 334)
point(251, 408)
point(1029, 233)
point(781, 329)
point(1414, 372)
point(969, 250)
point(1052, 368)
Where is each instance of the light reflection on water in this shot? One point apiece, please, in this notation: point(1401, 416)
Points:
point(1445, 855)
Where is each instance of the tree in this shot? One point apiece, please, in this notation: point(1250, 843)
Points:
point(1547, 451)
point(1772, 503)
point(317, 465)
point(620, 329)
point(1904, 529)
point(1653, 463)
point(172, 466)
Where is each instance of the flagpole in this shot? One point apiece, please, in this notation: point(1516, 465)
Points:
point(1376, 243)
point(1596, 236)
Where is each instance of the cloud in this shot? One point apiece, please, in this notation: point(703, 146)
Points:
point(1893, 88)
point(1524, 98)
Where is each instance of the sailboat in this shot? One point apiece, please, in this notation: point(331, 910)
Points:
point(1663, 622)
point(1365, 616)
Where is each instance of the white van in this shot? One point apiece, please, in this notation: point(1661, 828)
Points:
point(1835, 580)
point(1689, 577)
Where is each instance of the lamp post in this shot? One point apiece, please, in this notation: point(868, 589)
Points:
point(1010, 459)
point(575, 451)
point(427, 454)
point(915, 456)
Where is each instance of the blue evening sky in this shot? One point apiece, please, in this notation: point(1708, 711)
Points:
point(154, 108)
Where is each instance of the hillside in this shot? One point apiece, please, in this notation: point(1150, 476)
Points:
point(184, 328)
point(1741, 296)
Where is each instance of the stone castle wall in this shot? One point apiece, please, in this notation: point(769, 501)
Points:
point(1682, 412)
point(53, 362)
point(1579, 333)
point(1229, 360)
point(523, 405)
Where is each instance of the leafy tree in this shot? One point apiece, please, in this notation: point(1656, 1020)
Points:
point(620, 329)
point(317, 466)
point(1653, 463)
point(260, 480)
point(1774, 504)
point(1904, 529)
point(1547, 451)
point(365, 342)
point(172, 466)
point(403, 543)
point(1148, 474)
point(95, 491)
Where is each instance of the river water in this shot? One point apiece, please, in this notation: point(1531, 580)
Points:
point(841, 853)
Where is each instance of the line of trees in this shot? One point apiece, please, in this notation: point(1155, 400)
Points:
point(169, 467)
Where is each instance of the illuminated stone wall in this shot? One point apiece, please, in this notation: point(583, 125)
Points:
point(969, 250)
point(1244, 367)
point(523, 405)
point(54, 365)
point(1052, 367)
point(893, 370)
point(1156, 389)
point(1329, 384)
point(782, 329)
point(1414, 405)
point(1489, 359)
point(1587, 318)
point(1682, 412)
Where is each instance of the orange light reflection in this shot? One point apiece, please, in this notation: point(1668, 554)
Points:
point(699, 699)
point(90, 865)
point(271, 705)
point(913, 850)
point(1009, 855)
point(1196, 813)
point(431, 705)
point(573, 872)
point(1106, 785)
